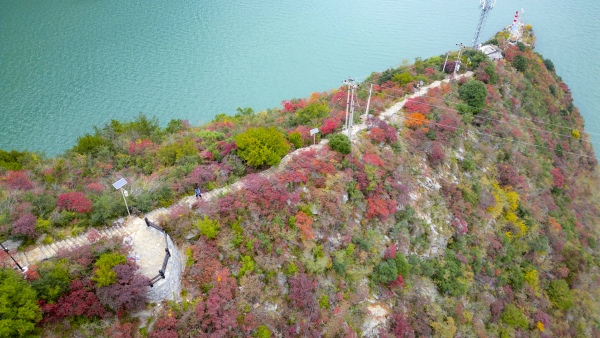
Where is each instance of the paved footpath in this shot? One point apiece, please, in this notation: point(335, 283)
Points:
point(149, 243)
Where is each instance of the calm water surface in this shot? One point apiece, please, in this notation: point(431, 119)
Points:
point(68, 65)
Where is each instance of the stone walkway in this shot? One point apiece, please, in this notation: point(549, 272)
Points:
point(149, 243)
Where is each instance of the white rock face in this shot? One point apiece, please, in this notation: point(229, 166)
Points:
point(377, 314)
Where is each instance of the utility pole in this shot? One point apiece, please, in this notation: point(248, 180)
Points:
point(351, 116)
point(444, 67)
point(348, 83)
point(486, 7)
point(368, 102)
point(457, 62)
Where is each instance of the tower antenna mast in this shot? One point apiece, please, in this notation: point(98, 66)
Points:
point(486, 7)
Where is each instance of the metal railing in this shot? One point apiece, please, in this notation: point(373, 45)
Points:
point(161, 272)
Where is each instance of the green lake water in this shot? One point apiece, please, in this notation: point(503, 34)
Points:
point(68, 65)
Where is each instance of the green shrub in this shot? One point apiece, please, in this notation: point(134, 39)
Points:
point(90, 144)
point(208, 227)
point(512, 316)
point(401, 264)
point(402, 78)
point(312, 114)
point(340, 143)
point(324, 302)
point(261, 146)
point(295, 138)
point(248, 265)
point(104, 275)
point(560, 295)
point(549, 65)
point(385, 272)
point(291, 269)
point(473, 92)
point(520, 63)
point(263, 332)
point(19, 311)
point(54, 280)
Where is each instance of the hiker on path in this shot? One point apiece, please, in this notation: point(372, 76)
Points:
point(198, 193)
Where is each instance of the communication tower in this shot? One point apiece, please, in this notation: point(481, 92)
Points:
point(486, 7)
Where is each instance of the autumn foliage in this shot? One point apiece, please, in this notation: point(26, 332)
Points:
point(74, 201)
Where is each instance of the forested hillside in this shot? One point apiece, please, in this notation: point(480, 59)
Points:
point(473, 212)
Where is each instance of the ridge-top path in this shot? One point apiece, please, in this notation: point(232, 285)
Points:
point(148, 244)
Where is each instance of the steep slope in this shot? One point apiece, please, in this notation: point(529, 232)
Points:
point(479, 219)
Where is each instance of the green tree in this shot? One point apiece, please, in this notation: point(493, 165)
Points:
point(261, 146)
point(473, 92)
point(340, 143)
point(19, 311)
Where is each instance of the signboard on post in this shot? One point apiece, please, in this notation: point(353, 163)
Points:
point(314, 132)
point(119, 186)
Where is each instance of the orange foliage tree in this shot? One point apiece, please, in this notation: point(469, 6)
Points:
point(415, 120)
point(304, 222)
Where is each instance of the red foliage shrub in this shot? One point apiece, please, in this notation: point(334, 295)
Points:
point(217, 314)
point(203, 174)
point(30, 275)
point(17, 180)
point(508, 176)
point(372, 159)
point(460, 225)
point(390, 252)
point(206, 258)
point(81, 301)
point(436, 155)
point(74, 201)
point(511, 52)
point(417, 105)
point(25, 225)
point(304, 222)
point(331, 125)
point(139, 147)
point(304, 132)
point(121, 330)
point(93, 236)
point(380, 208)
point(429, 72)
point(401, 327)
point(559, 179)
point(82, 255)
point(376, 134)
point(292, 105)
point(165, 327)
point(264, 195)
point(128, 293)
point(95, 187)
point(398, 282)
point(302, 292)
